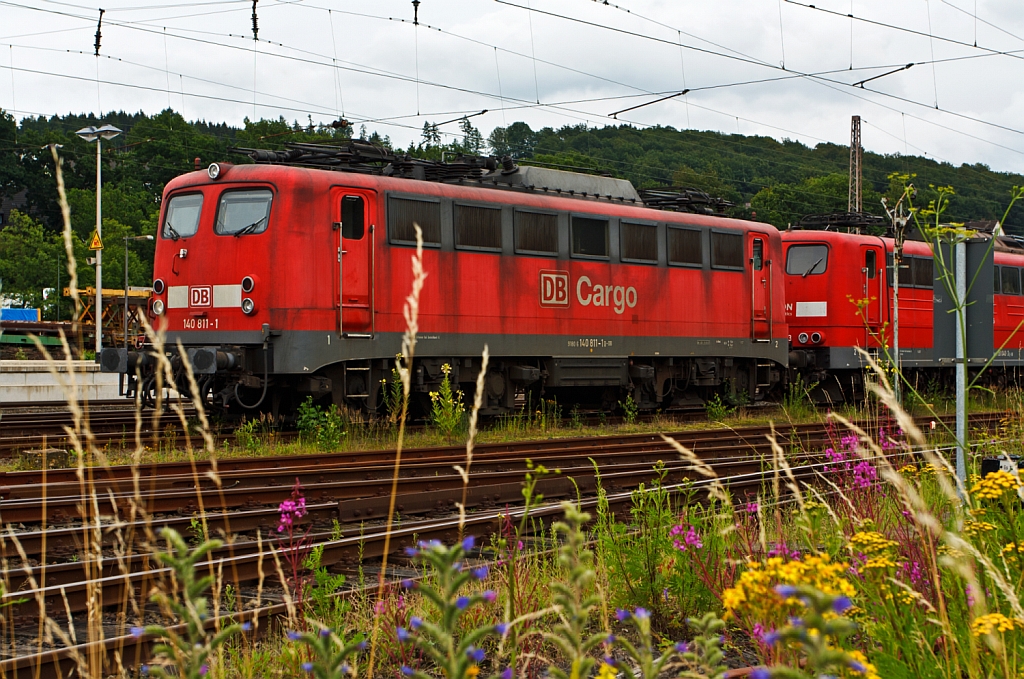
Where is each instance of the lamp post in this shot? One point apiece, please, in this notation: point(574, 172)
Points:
point(126, 239)
point(96, 134)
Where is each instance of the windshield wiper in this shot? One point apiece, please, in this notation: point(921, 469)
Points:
point(250, 228)
point(812, 267)
point(170, 230)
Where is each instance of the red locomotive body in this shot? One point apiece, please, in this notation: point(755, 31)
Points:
point(840, 295)
point(286, 281)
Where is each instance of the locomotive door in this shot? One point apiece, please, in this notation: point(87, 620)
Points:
point(354, 244)
point(872, 294)
point(760, 314)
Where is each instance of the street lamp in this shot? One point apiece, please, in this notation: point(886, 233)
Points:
point(95, 134)
point(126, 239)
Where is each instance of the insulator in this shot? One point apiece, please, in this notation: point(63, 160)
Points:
point(99, 33)
point(255, 22)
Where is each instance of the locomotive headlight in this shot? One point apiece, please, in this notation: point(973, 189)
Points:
point(158, 307)
point(213, 170)
point(248, 306)
point(815, 337)
point(158, 286)
point(802, 338)
point(248, 284)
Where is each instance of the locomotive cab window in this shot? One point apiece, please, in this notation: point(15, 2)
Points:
point(758, 257)
point(352, 220)
point(807, 260)
point(243, 212)
point(478, 228)
point(870, 264)
point(182, 218)
point(589, 237)
point(536, 233)
point(685, 246)
point(639, 242)
point(403, 213)
point(1010, 278)
point(726, 250)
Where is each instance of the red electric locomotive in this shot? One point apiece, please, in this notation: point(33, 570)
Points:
point(839, 295)
point(287, 278)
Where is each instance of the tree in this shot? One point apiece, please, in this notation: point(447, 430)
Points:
point(29, 259)
point(431, 136)
point(516, 140)
point(472, 140)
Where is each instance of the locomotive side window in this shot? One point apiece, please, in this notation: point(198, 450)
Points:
point(995, 280)
point(922, 269)
point(1010, 278)
point(758, 258)
point(183, 216)
point(726, 250)
point(685, 247)
point(590, 237)
point(536, 233)
point(352, 221)
point(906, 272)
point(478, 227)
point(639, 242)
point(807, 260)
point(404, 212)
point(243, 212)
point(870, 263)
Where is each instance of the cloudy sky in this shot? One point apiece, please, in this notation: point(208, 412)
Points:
point(780, 68)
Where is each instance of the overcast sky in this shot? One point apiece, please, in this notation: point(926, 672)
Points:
point(747, 64)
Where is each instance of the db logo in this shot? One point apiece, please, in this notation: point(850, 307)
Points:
point(200, 296)
point(554, 288)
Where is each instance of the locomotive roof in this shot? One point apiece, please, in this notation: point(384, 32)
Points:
point(362, 157)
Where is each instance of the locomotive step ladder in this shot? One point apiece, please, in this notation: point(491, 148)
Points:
point(357, 381)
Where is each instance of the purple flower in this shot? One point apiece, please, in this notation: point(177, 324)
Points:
point(307, 667)
point(462, 602)
point(621, 614)
point(501, 628)
point(490, 596)
point(407, 671)
point(138, 631)
point(857, 667)
point(363, 645)
point(408, 583)
point(519, 545)
point(144, 670)
point(608, 660)
point(203, 669)
point(468, 543)
point(682, 647)
point(294, 636)
point(752, 508)
point(325, 632)
point(402, 634)
point(246, 626)
point(760, 673)
point(411, 551)
point(415, 622)
point(641, 614)
point(841, 604)
point(785, 591)
point(770, 638)
point(476, 654)
point(480, 573)
point(610, 639)
point(506, 673)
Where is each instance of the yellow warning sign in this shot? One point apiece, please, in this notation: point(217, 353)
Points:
point(95, 243)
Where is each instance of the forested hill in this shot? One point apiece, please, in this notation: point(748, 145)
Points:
point(767, 180)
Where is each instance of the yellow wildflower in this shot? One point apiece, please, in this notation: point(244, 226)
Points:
point(993, 485)
point(908, 469)
point(879, 563)
point(754, 592)
point(1011, 549)
point(870, 671)
point(871, 542)
point(472, 671)
point(994, 622)
point(606, 671)
point(977, 527)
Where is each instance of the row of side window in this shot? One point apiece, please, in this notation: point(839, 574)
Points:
point(915, 272)
point(480, 227)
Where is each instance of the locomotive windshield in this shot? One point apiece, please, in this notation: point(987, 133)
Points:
point(806, 260)
point(183, 216)
point(243, 212)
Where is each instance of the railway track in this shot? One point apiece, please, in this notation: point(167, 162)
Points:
point(349, 488)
